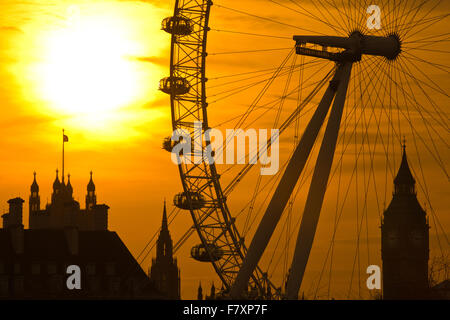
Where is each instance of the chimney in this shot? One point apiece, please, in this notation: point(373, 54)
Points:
point(14, 217)
point(100, 212)
point(72, 239)
point(5, 218)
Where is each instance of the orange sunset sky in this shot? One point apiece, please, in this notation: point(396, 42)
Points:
point(93, 68)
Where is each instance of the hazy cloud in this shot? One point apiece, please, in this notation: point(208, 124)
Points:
point(10, 29)
point(164, 61)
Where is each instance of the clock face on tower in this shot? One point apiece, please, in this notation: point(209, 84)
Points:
point(416, 237)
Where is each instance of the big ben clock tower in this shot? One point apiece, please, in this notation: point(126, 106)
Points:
point(404, 241)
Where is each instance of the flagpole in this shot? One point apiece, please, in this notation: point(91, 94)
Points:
point(63, 159)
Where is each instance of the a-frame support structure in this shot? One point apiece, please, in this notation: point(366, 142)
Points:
point(353, 48)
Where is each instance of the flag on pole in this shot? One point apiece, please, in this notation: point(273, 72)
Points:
point(65, 138)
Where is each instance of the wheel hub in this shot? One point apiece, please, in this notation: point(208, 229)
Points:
point(349, 49)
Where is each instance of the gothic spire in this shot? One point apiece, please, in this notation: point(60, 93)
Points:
point(200, 291)
point(164, 243)
point(164, 270)
point(69, 185)
point(34, 186)
point(404, 181)
point(91, 185)
point(213, 291)
point(164, 225)
point(56, 184)
point(91, 198)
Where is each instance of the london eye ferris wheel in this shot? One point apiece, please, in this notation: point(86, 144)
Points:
point(344, 95)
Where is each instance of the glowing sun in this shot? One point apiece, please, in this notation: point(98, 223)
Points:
point(86, 70)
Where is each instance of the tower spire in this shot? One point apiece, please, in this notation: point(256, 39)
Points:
point(164, 271)
point(164, 225)
point(404, 181)
point(34, 185)
point(56, 184)
point(91, 198)
point(34, 200)
point(91, 185)
point(69, 185)
point(200, 291)
point(164, 243)
point(56, 187)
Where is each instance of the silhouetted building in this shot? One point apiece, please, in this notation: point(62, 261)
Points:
point(405, 247)
point(212, 294)
point(34, 261)
point(164, 272)
point(200, 292)
point(64, 210)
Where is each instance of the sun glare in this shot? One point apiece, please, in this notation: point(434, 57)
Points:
point(86, 69)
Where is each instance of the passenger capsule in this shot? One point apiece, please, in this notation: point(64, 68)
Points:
point(195, 202)
point(168, 144)
point(177, 25)
point(206, 254)
point(174, 85)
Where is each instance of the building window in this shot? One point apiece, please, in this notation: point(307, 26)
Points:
point(18, 285)
point(94, 285)
point(56, 283)
point(35, 268)
point(90, 269)
point(114, 285)
point(51, 268)
point(16, 268)
point(4, 286)
point(110, 269)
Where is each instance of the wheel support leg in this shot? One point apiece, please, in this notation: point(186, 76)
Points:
point(317, 189)
point(284, 190)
